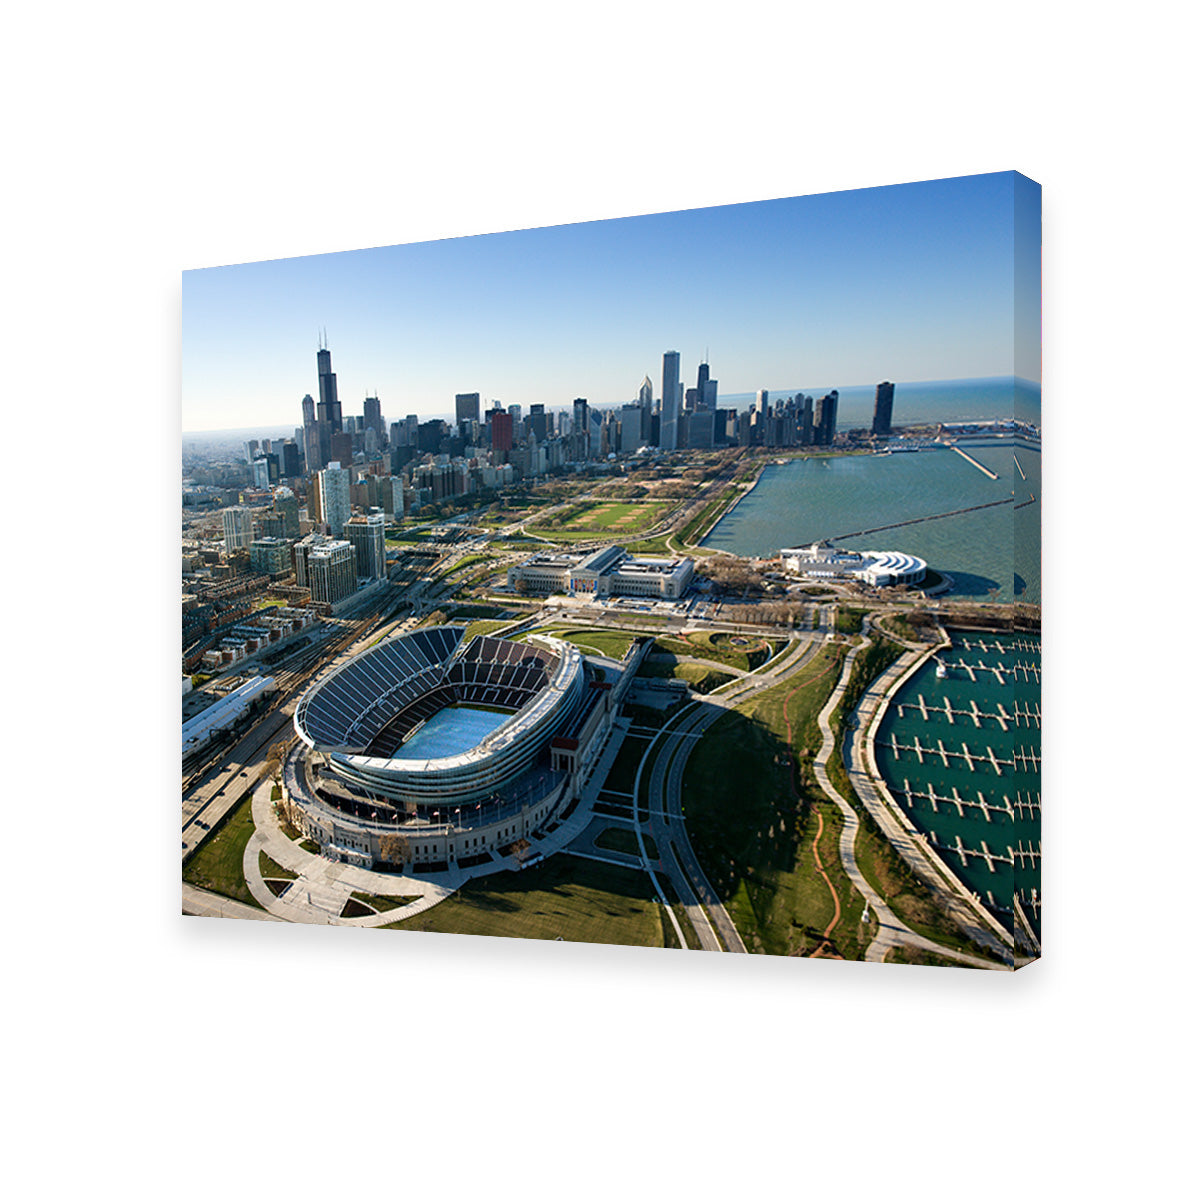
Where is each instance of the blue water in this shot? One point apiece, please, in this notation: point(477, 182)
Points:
point(450, 732)
point(923, 403)
point(991, 553)
point(1004, 771)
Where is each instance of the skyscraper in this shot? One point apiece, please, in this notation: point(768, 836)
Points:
point(366, 535)
point(502, 432)
point(331, 571)
point(329, 409)
point(372, 417)
point(466, 407)
point(670, 400)
point(882, 425)
point(312, 438)
point(827, 419)
point(239, 528)
point(537, 421)
point(580, 430)
point(334, 486)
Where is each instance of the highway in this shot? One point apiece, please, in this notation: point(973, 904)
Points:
point(671, 748)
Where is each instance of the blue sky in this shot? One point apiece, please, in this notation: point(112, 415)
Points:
point(912, 282)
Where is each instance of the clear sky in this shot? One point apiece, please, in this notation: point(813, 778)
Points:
point(912, 282)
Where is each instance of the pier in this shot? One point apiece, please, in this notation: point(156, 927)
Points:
point(1018, 466)
point(961, 804)
point(954, 512)
point(1027, 859)
point(1028, 808)
point(974, 713)
point(899, 749)
point(975, 462)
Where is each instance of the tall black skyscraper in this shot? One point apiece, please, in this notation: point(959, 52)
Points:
point(329, 410)
point(466, 407)
point(372, 417)
point(882, 425)
point(827, 419)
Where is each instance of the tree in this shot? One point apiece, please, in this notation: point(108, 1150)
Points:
point(395, 848)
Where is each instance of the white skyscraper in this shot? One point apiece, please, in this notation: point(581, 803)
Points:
point(239, 528)
point(334, 482)
point(670, 401)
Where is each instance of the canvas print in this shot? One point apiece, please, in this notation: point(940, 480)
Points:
point(667, 581)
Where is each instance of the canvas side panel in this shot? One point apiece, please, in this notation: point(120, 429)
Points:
point(1027, 544)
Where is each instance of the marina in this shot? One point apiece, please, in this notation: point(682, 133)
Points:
point(959, 750)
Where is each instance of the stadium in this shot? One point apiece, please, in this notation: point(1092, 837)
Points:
point(432, 748)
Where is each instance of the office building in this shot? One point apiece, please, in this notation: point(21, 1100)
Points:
point(312, 437)
point(668, 429)
point(329, 409)
point(291, 460)
point(372, 417)
point(466, 407)
point(502, 432)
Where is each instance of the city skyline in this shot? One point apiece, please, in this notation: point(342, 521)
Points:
point(909, 282)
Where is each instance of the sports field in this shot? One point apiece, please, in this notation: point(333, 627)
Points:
point(602, 518)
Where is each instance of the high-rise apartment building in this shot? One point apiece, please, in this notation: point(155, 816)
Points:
point(288, 507)
point(670, 400)
point(366, 535)
point(270, 555)
point(260, 473)
point(884, 394)
point(827, 419)
point(333, 483)
point(331, 571)
point(239, 528)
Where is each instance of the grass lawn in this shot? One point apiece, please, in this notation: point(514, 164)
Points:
point(701, 678)
point(921, 958)
point(216, 864)
point(610, 642)
point(624, 769)
point(572, 898)
point(755, 836)
point(604, 518)
point(476, 628)
point(268, 868)
point(382, 903)
point(849, 620)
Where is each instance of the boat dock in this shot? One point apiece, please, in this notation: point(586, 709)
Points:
point(930, 712)
point(899, 749)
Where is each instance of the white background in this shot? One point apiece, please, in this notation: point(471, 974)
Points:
point(149, 1055)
